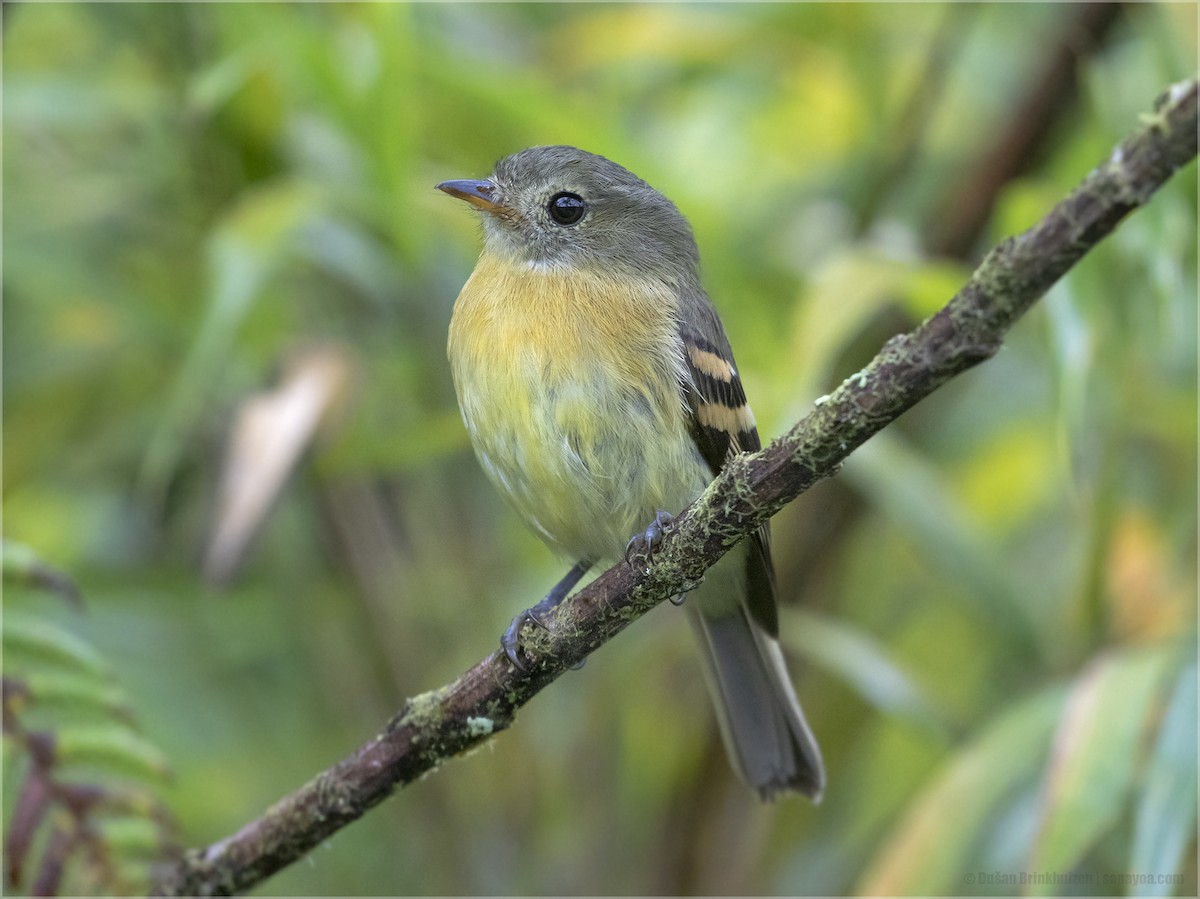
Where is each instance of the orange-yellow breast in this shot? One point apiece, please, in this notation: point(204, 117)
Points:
point(569, 387)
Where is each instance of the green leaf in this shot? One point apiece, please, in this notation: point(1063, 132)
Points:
point(128, 836)
point(1095, 755)
point(22, 565)
point(112, 748)
point(36, 639)
point(68, 690)
point(19, 560)
point(928, 852)
point(860, 661)
point(1166, 812)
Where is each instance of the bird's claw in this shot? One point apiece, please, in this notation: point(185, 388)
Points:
point(643, 545)
point(510, 641)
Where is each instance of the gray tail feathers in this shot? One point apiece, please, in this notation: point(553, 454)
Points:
point(765, 733)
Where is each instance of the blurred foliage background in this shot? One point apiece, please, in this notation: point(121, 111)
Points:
point(227, 271)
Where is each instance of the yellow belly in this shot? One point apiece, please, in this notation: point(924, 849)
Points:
point(569, 388)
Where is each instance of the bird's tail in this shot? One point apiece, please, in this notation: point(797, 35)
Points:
point(765, 733)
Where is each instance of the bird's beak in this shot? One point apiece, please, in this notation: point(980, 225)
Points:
point(483, 194)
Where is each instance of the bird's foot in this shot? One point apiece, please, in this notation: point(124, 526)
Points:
point(643, 546)
point(510, 641)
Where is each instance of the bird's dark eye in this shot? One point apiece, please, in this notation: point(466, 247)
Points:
point(566, 208)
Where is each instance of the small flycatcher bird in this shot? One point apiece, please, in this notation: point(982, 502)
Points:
point(600, 393)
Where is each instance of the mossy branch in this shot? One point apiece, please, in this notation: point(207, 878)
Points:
point(443, 723)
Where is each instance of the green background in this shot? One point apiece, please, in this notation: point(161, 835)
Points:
point(990, 612)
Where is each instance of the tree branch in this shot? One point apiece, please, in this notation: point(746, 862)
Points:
point(440, 724)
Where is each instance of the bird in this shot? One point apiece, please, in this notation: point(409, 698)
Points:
point(601, 396)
